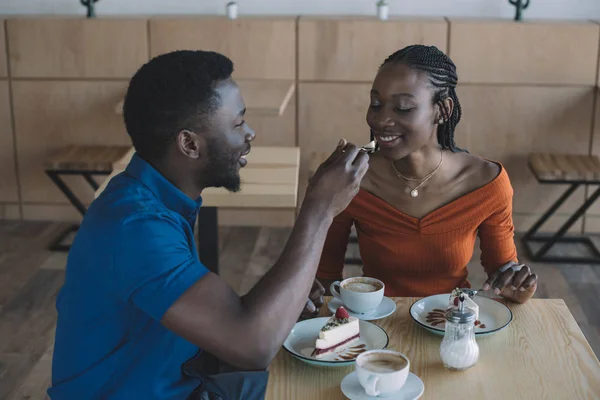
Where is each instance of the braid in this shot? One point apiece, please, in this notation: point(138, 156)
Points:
point(442, 76)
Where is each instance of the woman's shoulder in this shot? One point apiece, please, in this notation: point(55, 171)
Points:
point(486, 175)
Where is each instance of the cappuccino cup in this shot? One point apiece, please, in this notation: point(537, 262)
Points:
point(360, 294)
point(382, 372)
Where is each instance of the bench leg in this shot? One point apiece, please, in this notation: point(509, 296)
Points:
point(57, 245)
point(208, 238)
point(549, 241)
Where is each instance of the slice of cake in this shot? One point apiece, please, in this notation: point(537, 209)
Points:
point(340, 331)
point(469, 303)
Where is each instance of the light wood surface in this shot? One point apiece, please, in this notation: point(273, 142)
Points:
point(328, 112)
point(86, 158)
point(542, 354)
point(10, 211)
point(3, 57)
point(262, 97)
point(352, 49)
point(565, 167)
point(506, 123)
point(52, 114)
point(77, 47)
point(274, 130)
point(525, 53)
point(269, 180)
point(260, 48)
point(266, 97)
point(9, 190)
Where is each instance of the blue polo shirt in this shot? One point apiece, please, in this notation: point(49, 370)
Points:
point(132, 258)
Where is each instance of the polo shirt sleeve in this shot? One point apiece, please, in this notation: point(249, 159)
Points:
point(154, 263)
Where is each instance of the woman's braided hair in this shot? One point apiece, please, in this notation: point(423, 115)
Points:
point(442, 76)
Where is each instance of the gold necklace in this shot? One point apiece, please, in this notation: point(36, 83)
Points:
point(415, 191)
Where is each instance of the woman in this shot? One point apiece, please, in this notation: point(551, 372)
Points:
point(424, 201)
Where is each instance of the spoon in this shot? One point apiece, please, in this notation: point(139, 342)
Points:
point(471, 292)
point(369, 148)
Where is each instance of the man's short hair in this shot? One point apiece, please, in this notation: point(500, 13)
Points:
point(172, 92)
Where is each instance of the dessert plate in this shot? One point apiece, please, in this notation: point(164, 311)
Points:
point(385, 308)
point(412, 389)
point(301, 342)
point(493, 315)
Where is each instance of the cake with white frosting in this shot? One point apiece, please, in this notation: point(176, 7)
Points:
point(340, 331)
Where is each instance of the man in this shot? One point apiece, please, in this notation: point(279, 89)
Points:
point(137, 304)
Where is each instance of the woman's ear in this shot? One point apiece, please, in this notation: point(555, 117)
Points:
point(445, 110)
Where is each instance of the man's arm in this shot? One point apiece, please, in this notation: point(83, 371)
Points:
point(247, 332)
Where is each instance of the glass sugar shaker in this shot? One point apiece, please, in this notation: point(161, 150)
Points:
point(459, 349)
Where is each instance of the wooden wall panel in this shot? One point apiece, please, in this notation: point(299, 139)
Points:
point(525, 53)
point(351, 49)
point(9, 191)
point(275, 130)
point(77, 47)
point(326, 113)
point(3, 58)
point(329, 111)
point(260, 48)
point(9, 211)
point(506, 123)
point(51, 114)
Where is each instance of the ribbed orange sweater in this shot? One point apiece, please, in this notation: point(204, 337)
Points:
point(421, 257)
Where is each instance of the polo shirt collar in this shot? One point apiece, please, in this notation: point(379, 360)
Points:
point(165, 191)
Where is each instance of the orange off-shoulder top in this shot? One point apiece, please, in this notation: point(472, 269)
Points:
point(428, 255)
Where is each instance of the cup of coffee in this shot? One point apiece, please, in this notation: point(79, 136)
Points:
point(360, 294)
point(382, 372)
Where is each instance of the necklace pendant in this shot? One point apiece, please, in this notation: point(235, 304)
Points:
point(414, 193)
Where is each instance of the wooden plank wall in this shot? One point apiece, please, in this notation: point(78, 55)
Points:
point(523, 86)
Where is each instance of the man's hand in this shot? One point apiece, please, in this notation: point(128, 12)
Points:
point(516, 283)
point(315, 301)
point(337, 180)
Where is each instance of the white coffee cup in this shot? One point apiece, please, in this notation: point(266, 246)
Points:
point(382, 372)
point(360, 294)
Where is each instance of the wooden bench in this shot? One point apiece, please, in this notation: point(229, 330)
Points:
point(565, 169)
point(86, 161)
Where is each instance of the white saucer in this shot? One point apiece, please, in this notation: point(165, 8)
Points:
point(301, 342)
point(385, 308)
point(493, 314)
point(412, 389)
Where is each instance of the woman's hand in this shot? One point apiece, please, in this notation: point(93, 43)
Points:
point(315, 301)
point(513, 281)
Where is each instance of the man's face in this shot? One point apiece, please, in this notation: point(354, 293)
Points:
point(229, 140)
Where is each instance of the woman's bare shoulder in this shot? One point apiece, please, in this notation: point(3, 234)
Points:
point(478, 171)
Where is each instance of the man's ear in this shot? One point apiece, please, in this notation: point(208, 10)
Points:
point(190, 144)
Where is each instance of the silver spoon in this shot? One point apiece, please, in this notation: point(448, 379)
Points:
point(369, 148)
point(471, 292)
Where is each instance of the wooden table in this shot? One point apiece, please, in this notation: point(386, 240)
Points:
point(270, 180)
point(542, 354)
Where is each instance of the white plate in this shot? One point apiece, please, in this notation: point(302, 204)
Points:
point(385, 308)
point(493, 314)
point(301, 342)
point(412, 389)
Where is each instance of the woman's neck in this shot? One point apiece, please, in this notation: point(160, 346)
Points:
point(420, 163)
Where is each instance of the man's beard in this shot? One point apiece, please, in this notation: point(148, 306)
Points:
point(221, 170)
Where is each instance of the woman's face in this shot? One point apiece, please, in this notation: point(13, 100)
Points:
point(401, 114)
